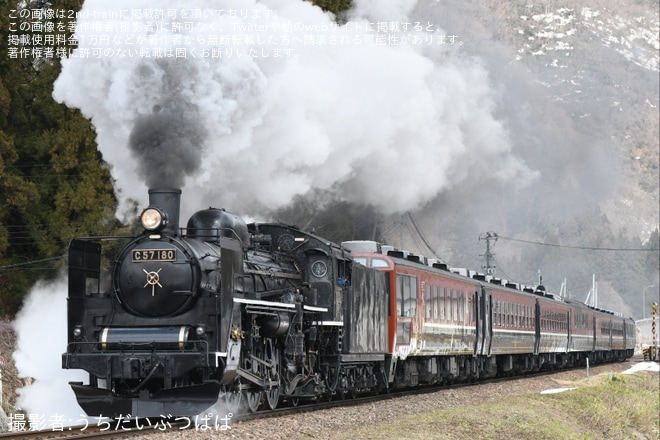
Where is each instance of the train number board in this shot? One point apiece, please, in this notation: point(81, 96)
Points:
point(145, 255)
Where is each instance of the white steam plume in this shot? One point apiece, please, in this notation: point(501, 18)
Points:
point(41, 331)
point(283, 102)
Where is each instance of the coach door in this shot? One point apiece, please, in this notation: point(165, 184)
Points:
point(484, 323)
point(537, 327)
point(595, 334)
point(569, 341)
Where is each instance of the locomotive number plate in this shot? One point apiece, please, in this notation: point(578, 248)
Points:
point(144, 255)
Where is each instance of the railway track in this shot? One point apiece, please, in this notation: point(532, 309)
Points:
point(371, 398)
point(123, 429)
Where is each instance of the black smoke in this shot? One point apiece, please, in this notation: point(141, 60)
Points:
point(168, 146)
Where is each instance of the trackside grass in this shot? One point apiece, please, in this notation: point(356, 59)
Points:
point(607, 406)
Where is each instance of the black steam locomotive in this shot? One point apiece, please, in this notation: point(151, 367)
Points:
point(253, 315)
point(218, 309)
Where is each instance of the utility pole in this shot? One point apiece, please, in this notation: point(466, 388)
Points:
point(488, 236)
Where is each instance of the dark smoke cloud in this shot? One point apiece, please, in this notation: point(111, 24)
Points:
point(168, 145)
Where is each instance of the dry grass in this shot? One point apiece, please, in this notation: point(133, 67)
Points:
point(602, 407)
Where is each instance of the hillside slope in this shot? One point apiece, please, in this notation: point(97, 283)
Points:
point(579, 92)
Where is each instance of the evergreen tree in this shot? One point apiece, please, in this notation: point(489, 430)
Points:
point(337, 7)
point(53, 180)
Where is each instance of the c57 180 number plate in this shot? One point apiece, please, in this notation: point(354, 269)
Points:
point(145, 255)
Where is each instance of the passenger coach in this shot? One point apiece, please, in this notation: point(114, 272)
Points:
point(454, 324)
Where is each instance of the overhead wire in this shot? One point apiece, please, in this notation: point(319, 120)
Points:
point(422, 236)
point(587, 248)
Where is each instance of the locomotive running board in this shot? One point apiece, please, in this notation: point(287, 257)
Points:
point(278, 305)
point(362, 357)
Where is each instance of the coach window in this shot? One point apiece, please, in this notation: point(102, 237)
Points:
point(435, 302)
point(515, 314)
point(448, 315)
point(528, 317)
point(496, 312)
point(406, 295)
point(468, 308)
point(399, 297)
point(379, 262)
point(454, 307)
point(493, 306)
point(441, 302)
point(448, 310)
point(461, 306)
point(428, 301)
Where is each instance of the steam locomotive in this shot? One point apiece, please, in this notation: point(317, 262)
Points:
point(252, 315)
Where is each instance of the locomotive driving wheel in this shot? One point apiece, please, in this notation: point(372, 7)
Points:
point(253, 399)
point(255, 365)
point(272, 356)
point(232, 399)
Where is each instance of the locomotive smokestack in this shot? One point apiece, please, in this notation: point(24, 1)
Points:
point(168, 200)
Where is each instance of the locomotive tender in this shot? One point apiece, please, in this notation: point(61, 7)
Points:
point(255, 314)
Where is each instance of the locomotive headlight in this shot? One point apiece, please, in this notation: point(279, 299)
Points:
point(153, 219)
